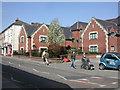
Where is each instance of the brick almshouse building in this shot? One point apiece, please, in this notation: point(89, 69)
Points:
point(96, 36)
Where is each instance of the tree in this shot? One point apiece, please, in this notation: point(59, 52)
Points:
point(56, 37)
point(55, 33)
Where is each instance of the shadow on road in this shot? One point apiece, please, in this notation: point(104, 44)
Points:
point(29, 80)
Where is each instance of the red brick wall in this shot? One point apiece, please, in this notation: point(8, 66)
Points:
point(76, 35)
point(42, 31)
point(118, 44)
point(101, 42)
point(67, 42)
point(22, 33)
point(29, 44)
point(113, 42)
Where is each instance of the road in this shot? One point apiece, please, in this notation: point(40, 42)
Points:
point(35, 74)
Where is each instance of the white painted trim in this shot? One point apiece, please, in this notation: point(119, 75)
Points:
point(105, 35)
point(100, 27)
point(87, 27)
point(93, 32)
point(93, 45)
point(26, 44)
point(26, 38)
point(32, 43)
point(23, 39)
point(35, 33)
point(42, 47)
point(21, 47)
point(39, 29)
point(85, 31)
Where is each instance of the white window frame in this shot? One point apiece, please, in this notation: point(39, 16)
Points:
point(112, 48)
point(20, 49)
point(42, 36)
point(21, 39)
point(91, 33)
point(93, 45)
point(41, 48)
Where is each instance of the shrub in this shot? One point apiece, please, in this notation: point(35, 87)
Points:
point(37, 54)
point(26, 54)
point(15, 53)
point(94, 53)
point(56, 50)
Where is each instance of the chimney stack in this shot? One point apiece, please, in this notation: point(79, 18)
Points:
point(17, 19)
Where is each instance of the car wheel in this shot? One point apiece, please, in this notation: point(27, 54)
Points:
point(118, 68)
point(101, 66)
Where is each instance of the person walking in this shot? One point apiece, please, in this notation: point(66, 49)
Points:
point(43, 55)
point(84, 61)
point(73, 57)
point(46, 56)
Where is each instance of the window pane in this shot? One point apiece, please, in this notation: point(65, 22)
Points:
point(93, 49)
point(93, 36)
point(43, 39)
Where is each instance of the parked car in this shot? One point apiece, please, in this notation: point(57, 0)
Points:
point(110, 60)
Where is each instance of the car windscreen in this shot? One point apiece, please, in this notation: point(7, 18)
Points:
point(118, 55)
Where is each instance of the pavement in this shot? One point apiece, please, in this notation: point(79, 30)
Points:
point(37, 58)
point(71, 76)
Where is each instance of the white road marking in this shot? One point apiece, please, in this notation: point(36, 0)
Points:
point(45, 72)
point(61, 77)
point(114, 82)
point(97, 77)
point(84, 79)
point(10, 63)
point(19, 65)
point(35, 70)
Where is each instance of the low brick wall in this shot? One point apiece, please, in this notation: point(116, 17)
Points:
point(80, 56)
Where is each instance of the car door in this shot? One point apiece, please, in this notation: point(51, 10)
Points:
point(111, 61)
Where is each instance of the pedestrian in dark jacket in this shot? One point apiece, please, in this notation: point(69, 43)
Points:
point(73, 57)
point(84, 61)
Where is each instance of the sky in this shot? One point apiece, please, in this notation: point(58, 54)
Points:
point(66, 12)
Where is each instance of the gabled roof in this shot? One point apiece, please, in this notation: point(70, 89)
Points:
point(17, 22)
point(67, 32)
point(78, 24)
point(107, 25)
point(30, 29)
point(115, 20)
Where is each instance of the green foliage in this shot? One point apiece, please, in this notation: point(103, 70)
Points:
point(78, 51)
point(55, 33)
point(15, 53)
point(56, 50)
point(94, 53)
point(26, 54)
point(36, 54)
